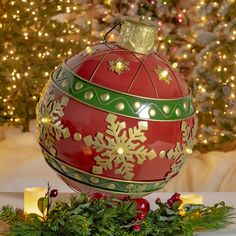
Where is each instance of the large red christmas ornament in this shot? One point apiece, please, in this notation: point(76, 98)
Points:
point(117, 118)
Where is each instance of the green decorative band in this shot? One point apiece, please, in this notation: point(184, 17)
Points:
point(106, 184)
point(121, 103)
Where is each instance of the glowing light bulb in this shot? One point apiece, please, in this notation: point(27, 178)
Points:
point(45, 120)
point(119, 65)
point(164, 73)
point(120, 150)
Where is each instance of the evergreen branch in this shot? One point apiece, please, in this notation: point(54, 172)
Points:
point(113, 217)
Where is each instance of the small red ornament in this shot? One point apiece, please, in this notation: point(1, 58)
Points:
point(136, 228)
point(143, 206)
point(157, 200)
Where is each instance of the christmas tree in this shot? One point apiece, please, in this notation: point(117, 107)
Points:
point(214, 73)
point(198, 38)
point(35, 36)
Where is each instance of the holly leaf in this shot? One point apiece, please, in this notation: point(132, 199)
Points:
point(193, 207)
point(165, 210)
point(43, 203)
point(176, 205)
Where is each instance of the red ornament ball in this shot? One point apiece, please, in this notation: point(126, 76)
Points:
point(143, 206)
point(117, 118)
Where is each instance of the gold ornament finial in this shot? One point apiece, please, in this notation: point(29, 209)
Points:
point(137, 35)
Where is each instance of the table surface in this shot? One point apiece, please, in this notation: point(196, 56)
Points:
point(16, 200)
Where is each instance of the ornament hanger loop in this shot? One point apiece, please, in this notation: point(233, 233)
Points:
point(113, 27)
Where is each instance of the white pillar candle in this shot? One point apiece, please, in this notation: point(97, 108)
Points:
point(191, 199)
point(31, 197)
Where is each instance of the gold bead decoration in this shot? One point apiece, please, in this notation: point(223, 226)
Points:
point(191, 106)
point(152, 112)
point(94, 180)
point(77, 136)
point(166, 109)
point(120, 106)
point(105, 97)
point(129, 186)
point(79, 85)
point(185, 105)
point(78, 176)
point(178, 112)
point(65, 83)
point(111, 186)
point(162, 154)
point(88, 95)
point(137, 105)
point(64, 168)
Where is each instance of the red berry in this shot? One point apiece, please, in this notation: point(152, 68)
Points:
point(136, 228)
point(175, 199)
point(157, 200)
point(142, 205)
point(53, 193)
point(175, 196)
point(140, 216)
point(169, 202)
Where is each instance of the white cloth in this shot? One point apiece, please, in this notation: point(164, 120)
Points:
point(22, 165)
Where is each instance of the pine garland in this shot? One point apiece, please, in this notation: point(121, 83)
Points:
point(83, 216)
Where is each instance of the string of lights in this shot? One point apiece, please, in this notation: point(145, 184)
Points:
point(197, 37)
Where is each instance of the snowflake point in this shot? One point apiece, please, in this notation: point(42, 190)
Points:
point(97, 170)
point(111, 118)
point(143, 125)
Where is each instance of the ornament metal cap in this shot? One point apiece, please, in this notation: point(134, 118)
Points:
point(138, 35)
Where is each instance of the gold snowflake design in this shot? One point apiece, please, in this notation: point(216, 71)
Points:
point(182, 150)
point(118, 65)
point(49, 111)
point(120, 148)
point(163, 74)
